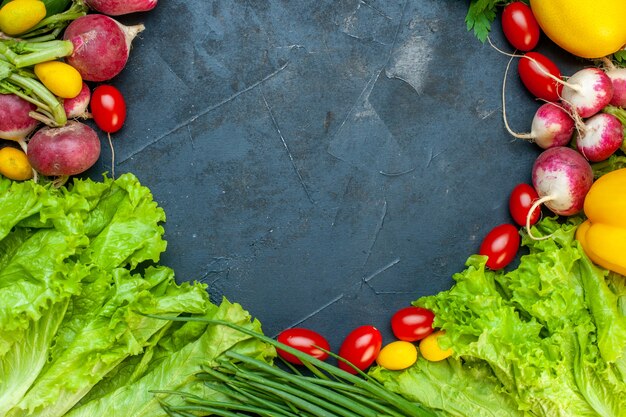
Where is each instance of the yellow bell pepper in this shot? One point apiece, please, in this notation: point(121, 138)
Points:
point(603, 235)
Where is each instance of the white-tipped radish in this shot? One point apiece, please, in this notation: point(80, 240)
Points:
point(551, 126)
point(600, 137)
point(587, 92)
point(77, 107)
point(618, 78)
point(64, 151)
point(15, 121)
point(101, 46)
point(120, 7)
point(562, 178)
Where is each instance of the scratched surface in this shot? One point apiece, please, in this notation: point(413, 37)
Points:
point(323, 163)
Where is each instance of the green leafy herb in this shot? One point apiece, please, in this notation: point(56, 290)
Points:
point(480, 16)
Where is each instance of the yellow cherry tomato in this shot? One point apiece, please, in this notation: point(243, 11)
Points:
point(14, 164)
point(430, 349)
point(397, 355)
point(60, 78)
point(18, 16)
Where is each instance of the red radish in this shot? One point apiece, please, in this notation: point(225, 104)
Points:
point(120, 7)
point(64, 151)
point(551, 125)
point(15, 121)
point(587, 92)
point(101, 46)
point(618, 79)
point(600, 137)
point(562, 178)
point(77, 107)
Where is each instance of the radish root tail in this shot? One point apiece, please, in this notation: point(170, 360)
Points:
point(525, 136)
point(536, 204)
point(112, 155)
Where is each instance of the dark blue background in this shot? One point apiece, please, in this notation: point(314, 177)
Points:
point(323, 163)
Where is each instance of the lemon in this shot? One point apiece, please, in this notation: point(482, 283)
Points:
point(18, 16)
point(585, 28)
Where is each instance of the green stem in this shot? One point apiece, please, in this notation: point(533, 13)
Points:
point(368, 384)
point(6, 86)
point(59, 20)
point(56, 108)
point(45, 37)
point(317, 394)
point(48, 52)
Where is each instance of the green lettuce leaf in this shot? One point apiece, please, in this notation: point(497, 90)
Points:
point(176, 370)
point(552, 331)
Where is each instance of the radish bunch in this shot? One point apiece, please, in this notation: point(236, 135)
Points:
point(574, 125)
point(91, 47)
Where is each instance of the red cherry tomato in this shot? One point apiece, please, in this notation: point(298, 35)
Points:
point(360, 347)
point(500, 245)
point(533, 68)
point(520, 26)
point(108, 108)
point(412, 323)
point(522, 198)
point(304, 340)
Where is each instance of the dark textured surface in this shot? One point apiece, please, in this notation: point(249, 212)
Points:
point(323, 163)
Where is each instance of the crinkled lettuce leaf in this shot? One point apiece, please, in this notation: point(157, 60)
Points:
point(552, 331)
point(79, 286)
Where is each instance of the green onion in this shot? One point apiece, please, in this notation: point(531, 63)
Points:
point(254, 386)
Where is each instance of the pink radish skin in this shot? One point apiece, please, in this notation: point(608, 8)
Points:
point(562, 178)
point(15, 121)
point(618, 78)
point(101, 46)
point(552, 126)
point(601, 136)
point(121, 7)
point(587, 92)
point(77, 107)
point(63, 151)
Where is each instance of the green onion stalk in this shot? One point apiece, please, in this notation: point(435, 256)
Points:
point(254, 387)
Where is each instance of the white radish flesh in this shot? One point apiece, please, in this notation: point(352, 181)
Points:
point(101, 46)
point(15, 121)
point(120, 7)
point(587, 92)
point(562, 178)
point(77, 107)
point(64, 151)
point(600, 137)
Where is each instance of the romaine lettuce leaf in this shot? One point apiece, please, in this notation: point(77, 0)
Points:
point(176, 370)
